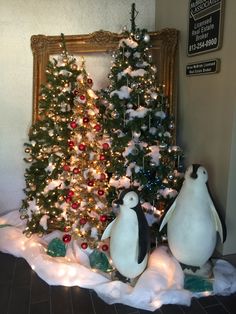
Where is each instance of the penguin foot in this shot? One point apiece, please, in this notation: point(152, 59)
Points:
point(204, 271)
point(118, 276)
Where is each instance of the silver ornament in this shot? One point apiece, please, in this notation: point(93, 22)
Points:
point(136, 134)
point(171, 125)
point(135, 151)
point(115, 114)
point(163, 145)
point(146, 38)
point(144, 127)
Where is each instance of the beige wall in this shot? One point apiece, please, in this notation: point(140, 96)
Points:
point(207, 110)
point(19, 20)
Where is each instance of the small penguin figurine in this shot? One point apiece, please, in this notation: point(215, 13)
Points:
point(192, 220)
point(129, 236)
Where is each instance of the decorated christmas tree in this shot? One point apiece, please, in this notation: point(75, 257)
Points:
point(86, 206)
point(66, 180)
point(136, 117)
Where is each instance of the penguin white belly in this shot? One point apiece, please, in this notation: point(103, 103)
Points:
point(191, 233)
point(124, 246)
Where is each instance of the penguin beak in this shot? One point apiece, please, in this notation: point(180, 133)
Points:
point(119, 201)
point(193, 175)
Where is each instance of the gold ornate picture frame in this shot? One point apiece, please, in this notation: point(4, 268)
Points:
point(164, 45)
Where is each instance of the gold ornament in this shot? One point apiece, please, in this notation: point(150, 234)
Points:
point(28, 150)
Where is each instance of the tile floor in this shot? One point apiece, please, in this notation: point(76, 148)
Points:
point(23, 292)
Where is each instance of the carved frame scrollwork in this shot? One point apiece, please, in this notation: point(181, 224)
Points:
point(164, 45)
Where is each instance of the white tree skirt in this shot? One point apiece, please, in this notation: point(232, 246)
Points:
point(161, 283)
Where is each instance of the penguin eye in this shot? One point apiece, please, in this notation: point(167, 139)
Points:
point(131, 198)
point(204, 171)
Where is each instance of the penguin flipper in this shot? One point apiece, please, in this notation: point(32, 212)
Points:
point(168, 215)
point(218, 223)
point(144, 239)
point(107, 232)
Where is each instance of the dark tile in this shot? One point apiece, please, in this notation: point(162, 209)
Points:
point(216, 309)
point(7, 263)
point(100, 306)
point(19, 301)
point(5, 291)
point(171, 309)
point(40, 308)
point(61, 300)
point(229, 302)
point(40, 290)
point(125, 309)
point(207, 301)
point(194, 308)
point(22, 275)
point(81, 301)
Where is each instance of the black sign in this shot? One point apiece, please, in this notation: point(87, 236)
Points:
point(205, 26)
point(203, 67)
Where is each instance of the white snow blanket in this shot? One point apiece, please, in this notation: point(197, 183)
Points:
point(161, 283)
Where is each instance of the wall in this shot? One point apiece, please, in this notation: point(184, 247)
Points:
point(207, 110)
point(19, 20)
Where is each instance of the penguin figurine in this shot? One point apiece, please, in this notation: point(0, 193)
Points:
point(129, 236)
point(192, 220)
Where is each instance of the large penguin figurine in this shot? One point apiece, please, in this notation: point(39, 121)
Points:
point(192, 220)
point(129, 236)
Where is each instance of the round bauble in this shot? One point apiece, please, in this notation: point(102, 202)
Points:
point(105, 247)
point(73, 125)
point(85, 120)
point(76, 170)
point(71, 193)
point(83, 221)
point(97, 127)
point(66, 238)
point(146, 38)
point(103, 218)
point(115, 114)
point(84, 245)
point(101, 192)
point(82, 147)
point(66, 168)
point(75, 205)
point(105, 146)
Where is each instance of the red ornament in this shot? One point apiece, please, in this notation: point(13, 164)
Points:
point(103, 176)
point(85, 120)
point(82, 97)
point(71, 143)
point(103, 218)
point(105, 146)
point(73, 125)
point(76, 92)
point(66, 238)
point(66, 168)
point(82, 147)
point(70, 193)
point(90, 81)
point(68, 199)
point(67, 228)
point(76, 170)
point(105, 247)
point(97, 127)
point(102, 157)
point(101, 192)
point(90, 182)
point(75, 205)
point(84, 245)
point(82, 221)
